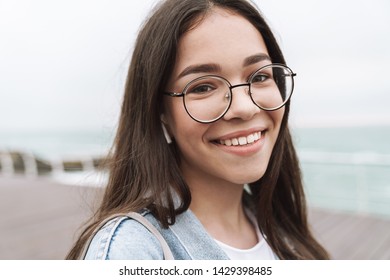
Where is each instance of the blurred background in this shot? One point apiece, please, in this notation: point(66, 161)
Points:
point(62, 70)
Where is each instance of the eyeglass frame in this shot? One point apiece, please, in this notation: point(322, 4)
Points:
point(248, 84)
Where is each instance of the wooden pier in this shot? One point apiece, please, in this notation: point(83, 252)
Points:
point(39, 219)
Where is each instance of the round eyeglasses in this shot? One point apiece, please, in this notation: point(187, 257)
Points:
point(207, 99)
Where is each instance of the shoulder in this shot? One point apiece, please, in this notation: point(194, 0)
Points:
point(124, 238)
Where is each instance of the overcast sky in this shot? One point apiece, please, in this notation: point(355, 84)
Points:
point(63, 63)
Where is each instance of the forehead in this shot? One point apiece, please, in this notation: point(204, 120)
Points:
point(221, 36)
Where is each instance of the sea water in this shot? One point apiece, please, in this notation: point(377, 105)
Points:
point(344, 168)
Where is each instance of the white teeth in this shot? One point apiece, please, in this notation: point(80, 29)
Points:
point(242, 140)
point(228, 142)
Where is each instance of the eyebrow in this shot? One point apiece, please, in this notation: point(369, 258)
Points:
point(201, 68)
point(253, 59)
point(212, 67)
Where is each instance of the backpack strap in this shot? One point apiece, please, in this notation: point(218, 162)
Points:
point(142, 220)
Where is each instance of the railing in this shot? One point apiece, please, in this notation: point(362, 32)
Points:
point(358, 182)
point(26, 163)
point(360, 158)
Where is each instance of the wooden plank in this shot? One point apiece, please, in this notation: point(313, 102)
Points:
point(354, 237)
point(372, 244)
point(39, 218)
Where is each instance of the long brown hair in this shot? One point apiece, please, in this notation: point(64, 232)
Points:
point(145, 171)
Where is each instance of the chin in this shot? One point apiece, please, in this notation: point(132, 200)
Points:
point(249, 178)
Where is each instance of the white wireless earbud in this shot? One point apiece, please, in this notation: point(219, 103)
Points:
point(166, 134)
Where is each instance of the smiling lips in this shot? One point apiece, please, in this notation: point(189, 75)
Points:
point(241, 141)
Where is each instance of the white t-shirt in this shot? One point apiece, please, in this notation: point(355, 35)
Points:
point(261, 251)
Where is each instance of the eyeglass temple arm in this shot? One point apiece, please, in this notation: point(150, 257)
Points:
point(173, 94)
point(292, 75)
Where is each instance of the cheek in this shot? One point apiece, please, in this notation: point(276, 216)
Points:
point(188, 135)
point(182, 127)
point(172, 112)
point(277, 117)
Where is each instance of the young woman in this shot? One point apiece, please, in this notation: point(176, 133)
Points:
point(203, 150)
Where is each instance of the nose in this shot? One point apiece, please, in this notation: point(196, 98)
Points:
point(242, 106)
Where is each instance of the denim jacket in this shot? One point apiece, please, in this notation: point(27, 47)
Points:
point(123, 238)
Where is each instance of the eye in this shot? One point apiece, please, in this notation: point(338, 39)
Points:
point(200, 89)
point(260, 77)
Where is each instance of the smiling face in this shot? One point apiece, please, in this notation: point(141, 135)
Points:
point(235, 149)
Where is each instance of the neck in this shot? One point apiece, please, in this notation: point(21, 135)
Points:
point(213, 196)
point(220, 209)
point(215, 202)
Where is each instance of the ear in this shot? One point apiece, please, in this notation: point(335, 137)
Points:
point(166, 134)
